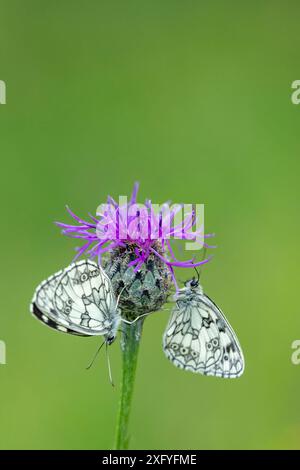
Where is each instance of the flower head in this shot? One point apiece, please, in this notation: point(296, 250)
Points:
point(134, 244)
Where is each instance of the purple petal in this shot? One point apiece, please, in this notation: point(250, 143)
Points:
point(134, 193)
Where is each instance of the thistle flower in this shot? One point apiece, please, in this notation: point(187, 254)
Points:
point(134, 244)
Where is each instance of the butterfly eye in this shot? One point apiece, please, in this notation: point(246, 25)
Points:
point(225, 357)
point(67, 310)
point(209, 346)
point(215, 342)
point(69, 302)
point(175, 346)
point(84, 277)
point(194, 354)
point(183, 351)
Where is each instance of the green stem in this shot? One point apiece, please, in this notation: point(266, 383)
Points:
point(130, 345)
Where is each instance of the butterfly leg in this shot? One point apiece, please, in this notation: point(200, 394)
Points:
point(136, 319)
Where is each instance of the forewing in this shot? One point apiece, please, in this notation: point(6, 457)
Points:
point(200, 339)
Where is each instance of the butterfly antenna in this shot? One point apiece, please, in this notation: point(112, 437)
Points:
point(108, 365)
point(198, 274)
point(200, 271)
point(93, 360)
point(204, 255)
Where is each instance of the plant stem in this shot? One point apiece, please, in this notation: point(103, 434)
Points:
point(130, 345)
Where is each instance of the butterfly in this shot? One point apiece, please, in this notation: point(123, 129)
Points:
point(198, 336)
point(78, 300)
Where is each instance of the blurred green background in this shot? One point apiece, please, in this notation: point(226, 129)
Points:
point(193, 100)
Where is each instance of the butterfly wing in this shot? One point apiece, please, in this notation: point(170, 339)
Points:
point(77, 300)
point(199, 338)
point(42, 306)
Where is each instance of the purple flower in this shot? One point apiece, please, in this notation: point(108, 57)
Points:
point(144, 229)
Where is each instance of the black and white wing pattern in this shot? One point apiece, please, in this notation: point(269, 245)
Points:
point(78, 300)
point(42, 305)
point(199, 338)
